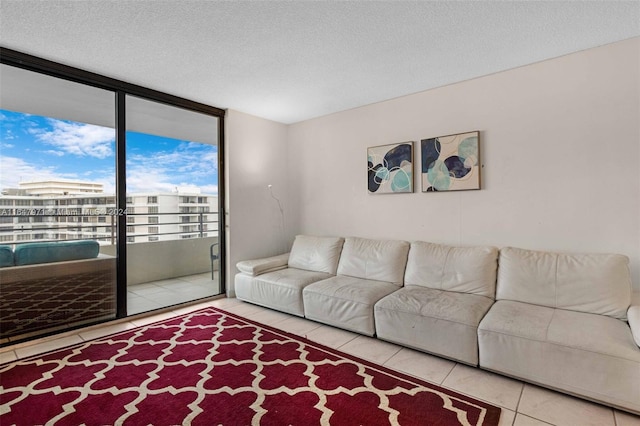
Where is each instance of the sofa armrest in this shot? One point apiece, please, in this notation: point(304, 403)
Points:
point(262, 266)
point(633, 316)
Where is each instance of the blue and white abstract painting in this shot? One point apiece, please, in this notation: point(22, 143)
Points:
point(451, 163)
point(390, 168)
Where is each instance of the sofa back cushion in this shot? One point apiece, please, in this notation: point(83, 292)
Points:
point(592, 283)
point(318, 254)
point(460, 269)
point(377, 260)
point(32, 253)
point(6, 256)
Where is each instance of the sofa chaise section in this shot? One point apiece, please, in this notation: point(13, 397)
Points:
point(447, 291)
point(368, 271)
point(560, 321)
point(277, 282)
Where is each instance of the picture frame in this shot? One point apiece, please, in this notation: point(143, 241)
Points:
point(451, 162)
point(390, 168)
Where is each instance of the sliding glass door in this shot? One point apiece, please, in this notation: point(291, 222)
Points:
point(172, 205)
point(109, 198)
point(57, 183)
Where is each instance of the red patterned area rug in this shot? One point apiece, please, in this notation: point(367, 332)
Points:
point(211, 367)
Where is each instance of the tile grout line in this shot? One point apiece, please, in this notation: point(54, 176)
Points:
point(533, 418)
point(520, 399)
point(449, 373)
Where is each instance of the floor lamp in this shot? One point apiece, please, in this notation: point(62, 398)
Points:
point(284, 240)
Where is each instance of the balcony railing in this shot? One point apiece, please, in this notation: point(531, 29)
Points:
point(41, 225)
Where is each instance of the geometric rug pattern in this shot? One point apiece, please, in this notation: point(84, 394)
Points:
point(211, 367)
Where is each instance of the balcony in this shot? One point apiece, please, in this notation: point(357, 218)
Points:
point(162, 293)
point(167, 263)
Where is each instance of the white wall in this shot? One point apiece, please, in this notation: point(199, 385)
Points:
point(157, 260)
point(560, 144)
point(256, 155)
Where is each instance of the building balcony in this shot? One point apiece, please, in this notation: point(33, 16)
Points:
point(162, 250)
point(160, 273)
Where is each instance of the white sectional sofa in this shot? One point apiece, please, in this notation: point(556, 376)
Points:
point(447, 291)
point(558, 320)
point(277, 282)
point(368, 271)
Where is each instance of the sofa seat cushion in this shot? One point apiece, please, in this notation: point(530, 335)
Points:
point(345, 302)
point(281, 290)
point(586, 354)
point(425, 319)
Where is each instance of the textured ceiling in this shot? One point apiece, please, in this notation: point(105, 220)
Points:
point(290, 61)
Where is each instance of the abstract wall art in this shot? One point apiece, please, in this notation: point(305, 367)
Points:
point(390, 168)
point(451, 163)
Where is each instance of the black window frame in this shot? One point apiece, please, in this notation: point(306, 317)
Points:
point(121, 89)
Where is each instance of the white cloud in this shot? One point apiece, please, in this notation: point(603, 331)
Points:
point(8, 135)
point(7, 145)
point(77, 138)
point(144, 179)
point(188, 165)
point(20, 170)
point(149, 179)
point(209, 189)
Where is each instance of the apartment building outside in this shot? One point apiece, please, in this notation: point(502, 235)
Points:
point(75, 210)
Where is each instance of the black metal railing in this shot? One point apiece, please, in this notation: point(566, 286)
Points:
point(74, 227)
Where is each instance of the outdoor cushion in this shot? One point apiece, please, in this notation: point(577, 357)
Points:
point(32, 253)
point(6, 256)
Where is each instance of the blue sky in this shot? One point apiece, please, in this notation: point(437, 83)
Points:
point(33, 147)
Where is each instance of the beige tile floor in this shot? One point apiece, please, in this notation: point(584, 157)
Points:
point(160, 294)
point(155, 295)
point(522, 404)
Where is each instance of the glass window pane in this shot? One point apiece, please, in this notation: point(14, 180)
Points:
point(57, 162)
point(172, 179)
